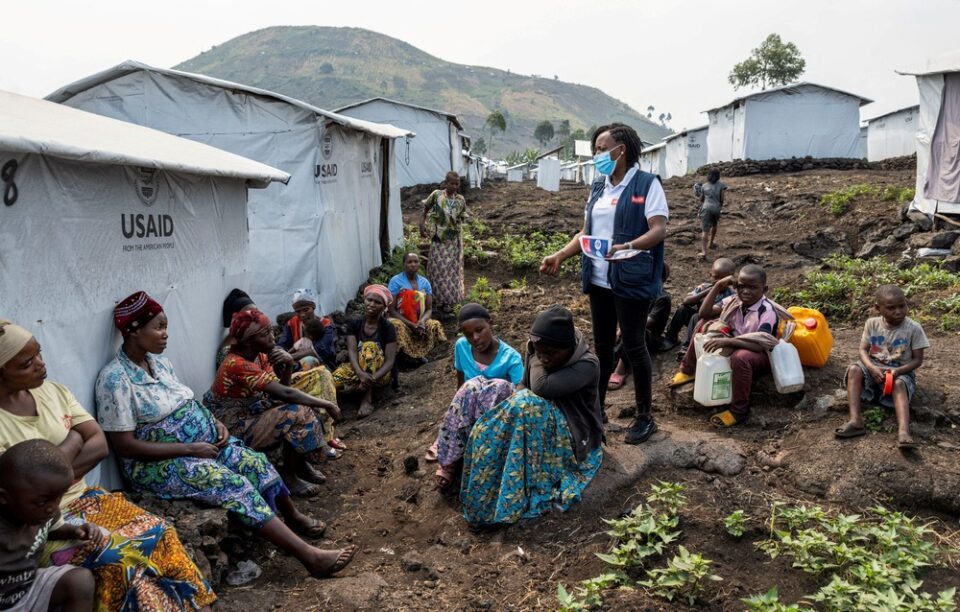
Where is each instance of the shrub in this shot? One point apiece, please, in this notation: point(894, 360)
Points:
point(736, 523)
point(682, 578)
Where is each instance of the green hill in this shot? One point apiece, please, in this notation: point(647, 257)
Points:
point(332, 67)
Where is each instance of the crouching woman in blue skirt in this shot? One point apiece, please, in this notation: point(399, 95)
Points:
point(540, 448)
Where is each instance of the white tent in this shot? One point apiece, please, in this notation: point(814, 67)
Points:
point(328, 226)
point(892, 134)
point(862, 147)
point(938, 135)
point(653, 159)
point(795, 120)
point(548, 174)
point(97, 209)
point(439, 145)
point(685, 151)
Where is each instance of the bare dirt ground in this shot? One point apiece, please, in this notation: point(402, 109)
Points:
point(419, 554)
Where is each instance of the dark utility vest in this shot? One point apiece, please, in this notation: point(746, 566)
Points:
point(641, 276)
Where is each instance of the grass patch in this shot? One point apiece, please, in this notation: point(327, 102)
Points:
point(522, 251)
point(844, 290)
point(838, 202)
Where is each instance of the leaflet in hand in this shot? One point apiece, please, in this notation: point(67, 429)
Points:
point(598, 248)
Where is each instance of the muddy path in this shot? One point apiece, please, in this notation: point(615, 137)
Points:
point(419, 554)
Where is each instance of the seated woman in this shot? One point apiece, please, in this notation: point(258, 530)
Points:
point(320, 349)
point(139, 564)
point(172, 447)
point(259, 406)
point(372, 346)
point(487, 370)
point(236, 301)
point(541, 447)
point(412, 309)
point(308, 376)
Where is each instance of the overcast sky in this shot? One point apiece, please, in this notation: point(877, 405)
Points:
point(674, 55)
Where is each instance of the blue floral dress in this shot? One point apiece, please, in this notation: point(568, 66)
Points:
point(159, 408)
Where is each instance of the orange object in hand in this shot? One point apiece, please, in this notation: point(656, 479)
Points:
point(888, 383)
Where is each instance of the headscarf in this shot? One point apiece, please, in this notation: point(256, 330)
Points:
point(554, 326)
point(472, 311)
point(236, 301)
point(12, 340)
point(305, 295)
point(380, 291)
point(135, 311)
point(246, 323)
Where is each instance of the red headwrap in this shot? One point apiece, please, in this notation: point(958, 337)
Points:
point(246, 323)
point(134, 312)
point(380, 291)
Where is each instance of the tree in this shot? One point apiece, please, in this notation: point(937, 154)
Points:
point(773, 63)
point(543, 132)
point(563, 130)
point(479, 147)
point(495, 122)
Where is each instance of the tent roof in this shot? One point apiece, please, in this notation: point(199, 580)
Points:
point(659, 145)
point(550, 152)
point(449, 116)
point(30, 125)
point(790, 88)
point(947, 62)
point(65, 93)
point(915, 107)
point(685, 132)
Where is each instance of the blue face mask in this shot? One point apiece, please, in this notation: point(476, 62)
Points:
point(604, 164)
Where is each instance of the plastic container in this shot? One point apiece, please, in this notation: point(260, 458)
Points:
point(713, 385)
point(787, 371)
point(698, 341)
point(888, 383)
point(812, 336)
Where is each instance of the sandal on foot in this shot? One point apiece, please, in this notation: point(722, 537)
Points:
point(849, 431)
point(330, 453)
point(431, 455)
point(337, 444)
point(300, 488)
point(343, 560)
point(311, 474)
point(445, 477)
point(314, 529)
point(680, 378)
point(726, 419)
point(616, 381)
point(906, 442)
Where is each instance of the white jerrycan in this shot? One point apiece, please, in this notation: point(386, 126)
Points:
point(786, 367)
point(713, 385)
point(698, 341)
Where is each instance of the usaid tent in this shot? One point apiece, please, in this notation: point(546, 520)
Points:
point(96, 209)
point(938, 135)
point(892, 134)
point(328, 226)
point(685, 152)
point(653, 159)
point(439, 145)
point(791, 121)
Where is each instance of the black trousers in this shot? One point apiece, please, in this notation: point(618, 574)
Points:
point(607, 311)
point(681, 318)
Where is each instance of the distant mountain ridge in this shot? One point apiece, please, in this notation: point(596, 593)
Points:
point(333, 67)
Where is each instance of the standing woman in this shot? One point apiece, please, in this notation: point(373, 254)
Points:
point(628, 207)
point(447, 210)
point(711, 203)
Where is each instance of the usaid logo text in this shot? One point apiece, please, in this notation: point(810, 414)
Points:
point(146, 226)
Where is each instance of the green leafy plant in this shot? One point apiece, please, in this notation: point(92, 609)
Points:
point(587, 595)
point(770, 602)
point(483, 293)
point(873, 418)
point(838, 202)
point(639, 535)
point(667, 496)
point(518, 283)
point(683, 577)
point(735, 523)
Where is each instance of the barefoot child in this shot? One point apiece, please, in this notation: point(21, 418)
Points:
point(34, 475)
point(891, 347)
point(748, 322)
point(711, 203)
point(686, 314)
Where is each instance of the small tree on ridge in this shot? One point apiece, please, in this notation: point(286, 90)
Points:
point(773, 63)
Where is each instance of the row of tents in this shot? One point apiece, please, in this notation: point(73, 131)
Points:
point(186, 186)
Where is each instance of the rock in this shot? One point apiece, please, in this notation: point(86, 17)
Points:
point(952, 263)
point(411, 562)
point(905, 230)
point(927, 253)
point(823, 243)
point(882, 247)
point(924, 222)
point(956, 248)
point(411, 463)
point(362, 592)
point(934, 240)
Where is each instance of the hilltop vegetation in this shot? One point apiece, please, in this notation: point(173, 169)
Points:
point(332, 67)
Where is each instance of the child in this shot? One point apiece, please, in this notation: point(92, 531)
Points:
point(892, 345)
point(313, 332)
point(748, 323)
point(34, 475)
point(711, 203)
point(686, 314)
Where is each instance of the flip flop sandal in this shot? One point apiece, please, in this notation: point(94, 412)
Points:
point(315, 529)
point(331, 453)
point(303, 489)
point(337, 444)
point(725, 419)
point(312, 474)
point(343, 560)
point(616, 381)
point(907, 444)
point(445, 477)
point(849, 431)
point(431, 455)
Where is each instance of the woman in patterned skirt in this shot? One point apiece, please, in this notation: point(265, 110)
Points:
point(540, 448)
point(447, 210)
point(172, 447)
